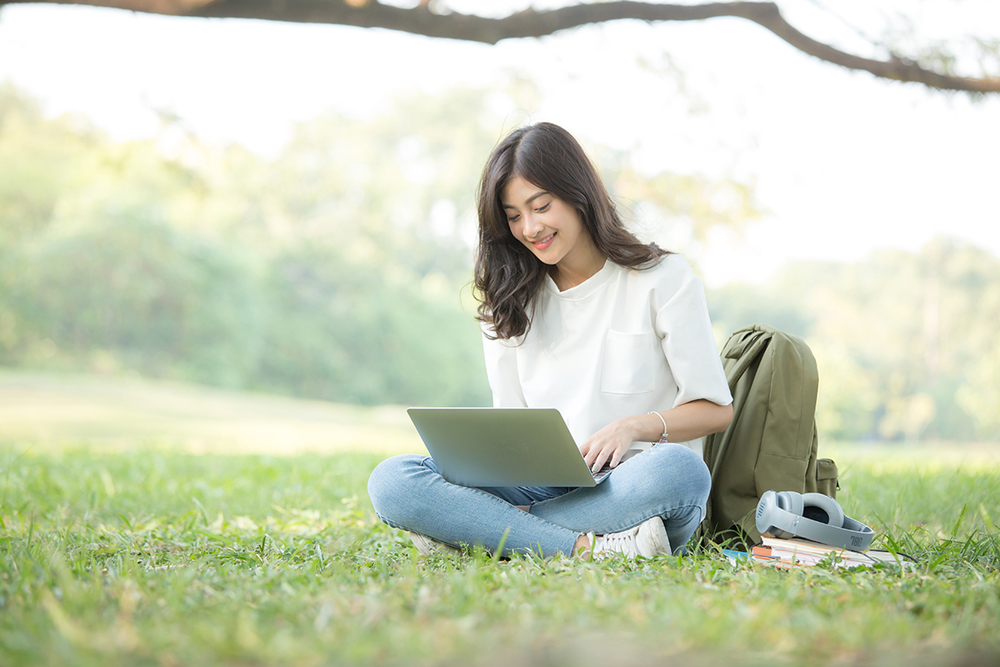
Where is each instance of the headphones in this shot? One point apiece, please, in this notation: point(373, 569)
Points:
point(813, 516)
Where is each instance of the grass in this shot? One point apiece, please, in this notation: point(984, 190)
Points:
point(155, 554)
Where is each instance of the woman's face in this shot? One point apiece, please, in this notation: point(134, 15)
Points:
point(545, 224)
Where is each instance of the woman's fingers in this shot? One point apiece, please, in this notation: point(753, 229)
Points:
point(592, 455)
point(616, 458)
point(606, 454)
point(597, 455)
point(598, 461)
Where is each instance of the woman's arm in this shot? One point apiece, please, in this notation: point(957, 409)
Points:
point(501, 371)
point(685, 422)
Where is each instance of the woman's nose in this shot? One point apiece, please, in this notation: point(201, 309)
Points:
point(532, 226)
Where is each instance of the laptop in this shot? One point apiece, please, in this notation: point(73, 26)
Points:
point(503, 447)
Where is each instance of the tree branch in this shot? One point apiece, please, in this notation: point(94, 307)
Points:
point(530, 23)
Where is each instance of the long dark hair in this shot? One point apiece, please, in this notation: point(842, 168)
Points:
point(507, 274)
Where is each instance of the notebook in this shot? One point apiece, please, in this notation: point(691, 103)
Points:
point(503, 447)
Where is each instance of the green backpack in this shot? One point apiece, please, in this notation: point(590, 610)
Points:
point(771, 442)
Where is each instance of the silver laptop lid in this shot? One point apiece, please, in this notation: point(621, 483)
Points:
point(502, 446)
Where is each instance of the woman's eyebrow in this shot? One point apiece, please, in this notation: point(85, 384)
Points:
point(528, 200)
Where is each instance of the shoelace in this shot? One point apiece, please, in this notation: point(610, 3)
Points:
point(623, 542)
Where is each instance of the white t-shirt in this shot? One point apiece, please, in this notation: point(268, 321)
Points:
point(623, 342)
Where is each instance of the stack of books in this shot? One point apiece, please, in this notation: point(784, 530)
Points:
point(796, 552)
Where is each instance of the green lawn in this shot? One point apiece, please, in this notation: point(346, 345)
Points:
point(123, 546)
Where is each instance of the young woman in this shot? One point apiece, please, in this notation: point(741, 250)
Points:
point(578, 315)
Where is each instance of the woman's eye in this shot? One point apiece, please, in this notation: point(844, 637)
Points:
point(512, 219)
point(542, 209)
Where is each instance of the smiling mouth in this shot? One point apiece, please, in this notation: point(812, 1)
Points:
point(544, 243)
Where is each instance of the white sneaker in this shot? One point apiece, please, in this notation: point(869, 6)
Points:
point(427, 546)
point(648, 539)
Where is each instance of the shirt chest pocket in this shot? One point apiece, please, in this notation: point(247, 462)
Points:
point(629, 362)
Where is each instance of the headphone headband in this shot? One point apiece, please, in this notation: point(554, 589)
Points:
point(772, 518)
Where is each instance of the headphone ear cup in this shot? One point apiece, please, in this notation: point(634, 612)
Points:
point(785, 501)
point(790, 501)
point(823, 509)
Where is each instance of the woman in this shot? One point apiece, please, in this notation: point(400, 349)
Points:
point(577, 314)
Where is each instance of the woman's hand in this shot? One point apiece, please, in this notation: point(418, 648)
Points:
point(609, 444)
point(685, 422)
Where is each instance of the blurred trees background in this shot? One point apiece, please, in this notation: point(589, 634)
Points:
point(906, 343)
point(340, 269)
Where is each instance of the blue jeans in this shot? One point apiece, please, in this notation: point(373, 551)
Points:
point(669, 481)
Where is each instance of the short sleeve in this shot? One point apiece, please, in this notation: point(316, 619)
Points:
point(688, 342)
point(501, 370)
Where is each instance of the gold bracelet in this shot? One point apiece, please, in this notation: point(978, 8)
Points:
point(663, 438)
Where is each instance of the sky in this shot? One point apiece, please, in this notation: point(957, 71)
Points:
point(843, 164)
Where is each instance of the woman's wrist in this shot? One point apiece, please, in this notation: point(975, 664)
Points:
point(661, 420)
point(644, 428)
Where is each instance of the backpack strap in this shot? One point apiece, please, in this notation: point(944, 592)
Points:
point(745, 347)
